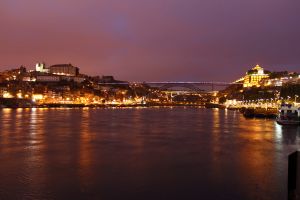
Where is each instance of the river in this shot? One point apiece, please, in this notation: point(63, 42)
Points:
point(142, 153)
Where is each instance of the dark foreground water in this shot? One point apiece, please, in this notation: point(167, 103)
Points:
point(149, 153)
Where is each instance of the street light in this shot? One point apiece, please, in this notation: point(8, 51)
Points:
point(296, 96)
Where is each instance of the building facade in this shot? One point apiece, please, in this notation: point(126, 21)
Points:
point(64, 69)
point(41, 67)
point(49, 78)
point(254, 76)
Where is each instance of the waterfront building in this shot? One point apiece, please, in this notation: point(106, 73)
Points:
point(254, 76)
point(64, 69)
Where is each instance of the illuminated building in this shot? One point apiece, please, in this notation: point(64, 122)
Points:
point(254, 76)
point(64, 69)
point(60, 69)
point(41, 67)
point(276, 82)
point(37, 97)
point(29, 79)
point(42, 77)
point(47, 78)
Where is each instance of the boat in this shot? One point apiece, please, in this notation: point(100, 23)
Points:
point(271, 113)
point(259, 112)
point(289, 115)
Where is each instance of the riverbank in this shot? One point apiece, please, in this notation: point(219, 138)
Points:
point(253, 112)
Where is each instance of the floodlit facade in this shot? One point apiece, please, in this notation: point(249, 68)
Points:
point(41, 67)
point(254, 76)
point(64, 69)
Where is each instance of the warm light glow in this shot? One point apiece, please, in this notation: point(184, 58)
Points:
point(37, 97)
point(254, 78)
point(19, 95)
point(7, 95)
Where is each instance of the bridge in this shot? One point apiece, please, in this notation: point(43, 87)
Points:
point(166, 85)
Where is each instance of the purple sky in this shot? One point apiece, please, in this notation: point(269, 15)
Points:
point(152, 40)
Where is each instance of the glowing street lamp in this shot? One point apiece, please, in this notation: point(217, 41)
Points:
point(19, 95)
point(296, 96)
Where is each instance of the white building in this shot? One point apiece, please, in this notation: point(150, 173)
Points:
point(41, 67)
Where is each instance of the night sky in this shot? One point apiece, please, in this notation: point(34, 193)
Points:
point(152, 40)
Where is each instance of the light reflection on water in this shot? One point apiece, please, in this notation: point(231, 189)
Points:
point(149, 153)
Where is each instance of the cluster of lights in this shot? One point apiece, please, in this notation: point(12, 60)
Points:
point(272, 102)
point(7, 95)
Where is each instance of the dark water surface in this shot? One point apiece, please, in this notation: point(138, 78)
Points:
point(142, 153)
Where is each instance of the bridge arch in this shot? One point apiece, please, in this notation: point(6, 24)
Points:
point(190, 86)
